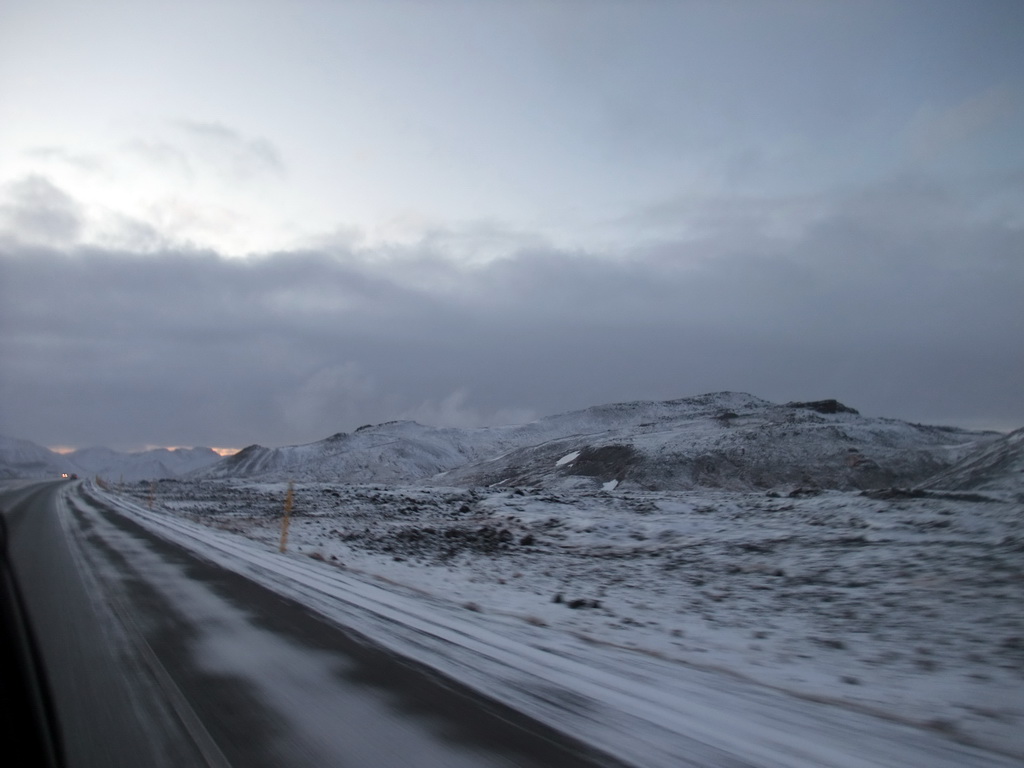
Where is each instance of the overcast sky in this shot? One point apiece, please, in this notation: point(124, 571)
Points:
point(272, 220)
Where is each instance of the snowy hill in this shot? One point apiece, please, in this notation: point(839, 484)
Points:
point(398, 451)
point(25, 459)
point(999, 467)
point(720, 440)
point(731, 441)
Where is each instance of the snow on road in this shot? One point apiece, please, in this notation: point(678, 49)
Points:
point(298, 697)
point(664, 628)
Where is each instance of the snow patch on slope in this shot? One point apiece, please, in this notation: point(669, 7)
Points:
point(568, 458)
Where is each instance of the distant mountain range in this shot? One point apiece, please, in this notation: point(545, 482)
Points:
point(722, 440)
point(22, 458)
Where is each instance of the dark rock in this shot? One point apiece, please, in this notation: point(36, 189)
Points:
point(823, 406)
point(608, 461)
point(885, 494)
point(798, 492)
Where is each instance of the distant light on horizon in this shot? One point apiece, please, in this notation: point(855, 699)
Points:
point(218, 451)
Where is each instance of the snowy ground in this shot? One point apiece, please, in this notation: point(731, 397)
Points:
point(908, 608)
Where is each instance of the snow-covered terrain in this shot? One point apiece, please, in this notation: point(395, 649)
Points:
point(896, 604)
point(790, 585)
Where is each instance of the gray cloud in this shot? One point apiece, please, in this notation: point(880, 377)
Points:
point(198, 149)
point(82, 161)
point(933, 132)
point(164, 156)
point(897, 299)
point(235, 155)
point(37, 211)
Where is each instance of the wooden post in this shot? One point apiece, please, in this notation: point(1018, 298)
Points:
point(288, 501)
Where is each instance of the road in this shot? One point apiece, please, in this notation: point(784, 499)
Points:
point(158, 658)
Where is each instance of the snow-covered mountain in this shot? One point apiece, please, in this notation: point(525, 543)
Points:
point(397, 451)
point(725, 440)
point(146, 465)
point(729, 440)
point(998, 467)
point(721, 440)
point(25, 459)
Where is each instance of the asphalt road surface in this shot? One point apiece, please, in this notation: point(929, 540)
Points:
point(158, 658)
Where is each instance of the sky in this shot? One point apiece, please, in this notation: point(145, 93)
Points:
point(267, 221)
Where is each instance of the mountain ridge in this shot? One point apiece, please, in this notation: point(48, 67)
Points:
point(24, 459)
point(727, 440)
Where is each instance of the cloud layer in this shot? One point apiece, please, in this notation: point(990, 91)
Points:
point(268, 224)
point(901, 299)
